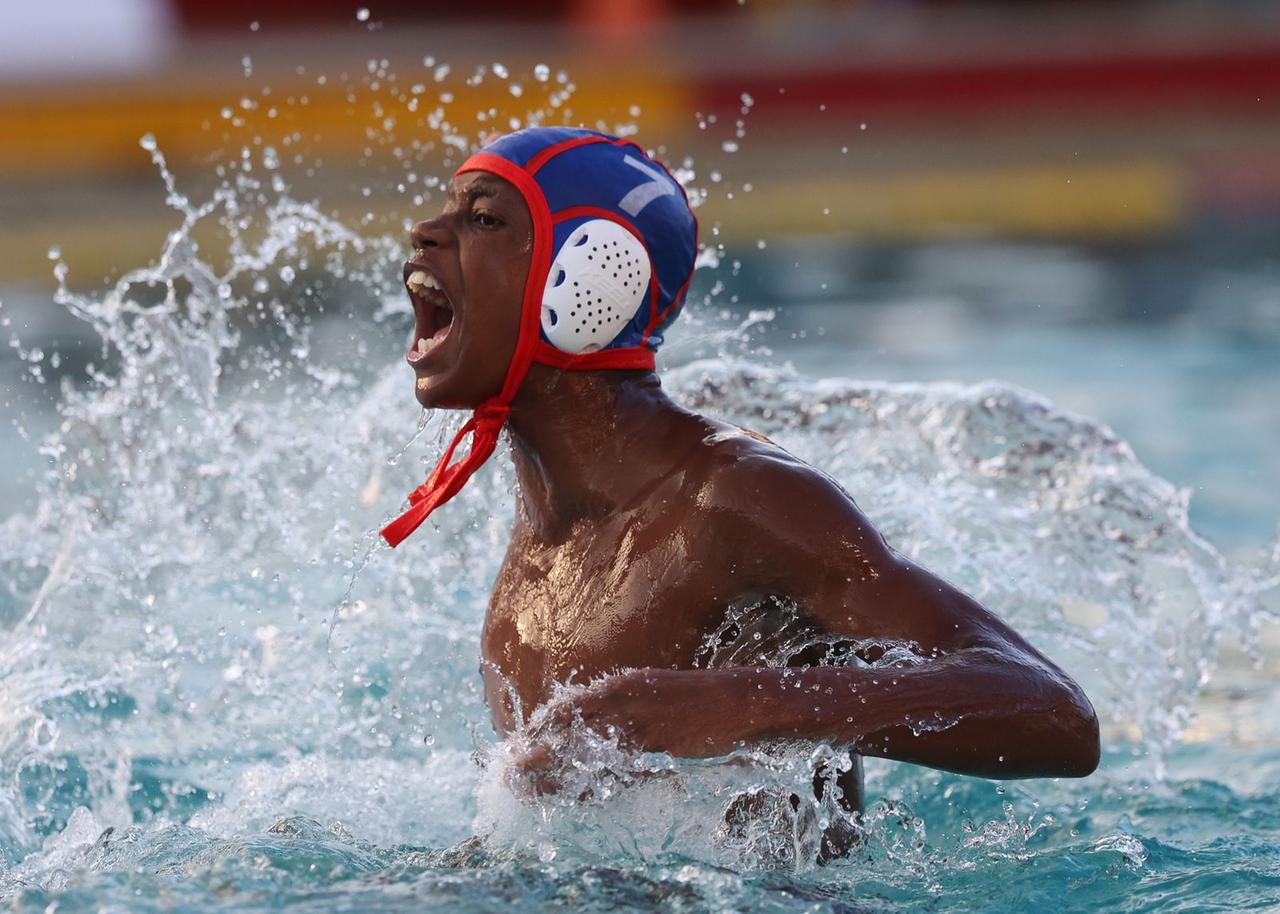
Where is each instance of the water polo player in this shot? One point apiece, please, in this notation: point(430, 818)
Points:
point(541, 293)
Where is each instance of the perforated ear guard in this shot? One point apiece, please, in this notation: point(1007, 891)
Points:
point(596, 285)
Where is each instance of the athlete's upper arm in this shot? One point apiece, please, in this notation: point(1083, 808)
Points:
point(808, 541)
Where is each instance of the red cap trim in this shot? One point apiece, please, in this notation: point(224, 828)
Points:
point(623, 357)
point(534, 165)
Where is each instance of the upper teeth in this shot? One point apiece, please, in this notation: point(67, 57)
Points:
point(420, 279)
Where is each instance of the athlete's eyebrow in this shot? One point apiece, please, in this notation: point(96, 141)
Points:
point(480, 189)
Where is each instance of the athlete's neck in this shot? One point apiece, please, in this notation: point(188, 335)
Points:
point(585, 442)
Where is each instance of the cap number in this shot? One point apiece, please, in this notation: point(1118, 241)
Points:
point(642, 195)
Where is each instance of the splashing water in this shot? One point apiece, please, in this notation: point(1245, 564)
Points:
point(218, 692)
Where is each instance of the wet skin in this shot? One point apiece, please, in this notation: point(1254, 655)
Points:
point(640, 523)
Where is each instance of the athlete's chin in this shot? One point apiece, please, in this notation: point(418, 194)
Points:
point(432, 391)
point(445, 390)
point(422, 391)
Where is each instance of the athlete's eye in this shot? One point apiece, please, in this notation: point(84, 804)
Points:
point(486, 219)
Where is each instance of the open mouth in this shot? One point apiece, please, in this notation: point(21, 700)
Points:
point(432, 310)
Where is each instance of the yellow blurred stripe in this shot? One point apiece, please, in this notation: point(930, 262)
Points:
point(1099, 201)
point(1095, 199)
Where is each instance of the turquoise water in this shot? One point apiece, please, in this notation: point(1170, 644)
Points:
point(1188, 843)
point(217, 692)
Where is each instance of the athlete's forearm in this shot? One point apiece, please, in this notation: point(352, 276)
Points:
point(975, 711)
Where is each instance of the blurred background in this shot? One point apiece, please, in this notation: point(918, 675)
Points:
point(1079, 198)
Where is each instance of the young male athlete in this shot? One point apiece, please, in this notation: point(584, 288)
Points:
point(541, 293)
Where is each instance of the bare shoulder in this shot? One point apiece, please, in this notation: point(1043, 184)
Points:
point(756, 491)
point(745, 469)
point(797, 533)
point(794, 531)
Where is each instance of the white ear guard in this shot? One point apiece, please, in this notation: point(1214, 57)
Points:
point(596, 285)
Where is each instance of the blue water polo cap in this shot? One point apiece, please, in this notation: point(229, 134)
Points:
point(617, 238)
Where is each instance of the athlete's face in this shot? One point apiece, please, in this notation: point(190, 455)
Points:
point(466, 281)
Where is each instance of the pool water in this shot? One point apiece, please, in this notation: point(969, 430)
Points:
point(219, 692)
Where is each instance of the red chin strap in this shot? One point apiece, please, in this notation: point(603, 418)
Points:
point(446, 481)
point(488, 418)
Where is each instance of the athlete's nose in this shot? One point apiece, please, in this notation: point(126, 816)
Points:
point(431, 233)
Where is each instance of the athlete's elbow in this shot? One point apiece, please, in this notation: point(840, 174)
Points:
point(1079, 745)
point(1060, 723)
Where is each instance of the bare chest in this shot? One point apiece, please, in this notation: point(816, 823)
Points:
point(608, 598)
